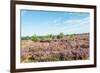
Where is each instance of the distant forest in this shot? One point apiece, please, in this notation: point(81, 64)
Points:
point(48, 37)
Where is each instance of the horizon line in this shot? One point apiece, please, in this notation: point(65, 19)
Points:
point(56, 34)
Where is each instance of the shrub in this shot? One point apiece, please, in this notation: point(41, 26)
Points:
point(25, 38)
point(34, 38)
point(61, 35)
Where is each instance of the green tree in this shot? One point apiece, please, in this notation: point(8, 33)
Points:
point(35, 38)
point(25, 38)
point(49, 37)
point(61, 35)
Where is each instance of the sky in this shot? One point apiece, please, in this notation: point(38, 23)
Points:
point(53, 22)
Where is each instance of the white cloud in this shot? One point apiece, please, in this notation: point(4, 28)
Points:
point(57, 21)
point(75, 26)
point(76, 21)
point(70, 22)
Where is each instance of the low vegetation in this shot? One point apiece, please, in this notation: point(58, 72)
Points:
point(55, 48)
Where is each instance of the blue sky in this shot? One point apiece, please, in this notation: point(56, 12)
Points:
point(52, 22)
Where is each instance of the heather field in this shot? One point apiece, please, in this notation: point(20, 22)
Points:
point(55, 48)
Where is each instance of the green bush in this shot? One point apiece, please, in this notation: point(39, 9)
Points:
point(25, 38)
point(34, 38)
point(61, 35)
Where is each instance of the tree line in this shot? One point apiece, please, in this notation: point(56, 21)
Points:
point(43, 38)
